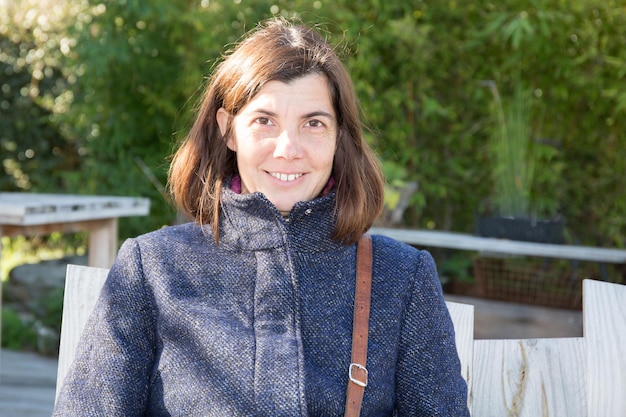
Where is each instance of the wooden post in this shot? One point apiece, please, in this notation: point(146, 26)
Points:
point(103, 242)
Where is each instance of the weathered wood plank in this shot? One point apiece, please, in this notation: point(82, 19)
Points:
point(82, 289)
point(529, 378)
point(45, 229)
point(430, 238)
point(28, 209)
point(604, 327)
point(463, 318)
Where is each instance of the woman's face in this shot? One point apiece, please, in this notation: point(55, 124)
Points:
point(285, 139)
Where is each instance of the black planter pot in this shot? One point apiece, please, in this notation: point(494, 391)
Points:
point(528, 230)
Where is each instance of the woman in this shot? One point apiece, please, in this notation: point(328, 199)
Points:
point(248, 310)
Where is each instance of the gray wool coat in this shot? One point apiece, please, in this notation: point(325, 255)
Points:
point(261, 324)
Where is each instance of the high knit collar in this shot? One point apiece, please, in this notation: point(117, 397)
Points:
point(252, 222)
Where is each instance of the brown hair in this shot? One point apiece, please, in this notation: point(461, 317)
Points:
point(277, 51)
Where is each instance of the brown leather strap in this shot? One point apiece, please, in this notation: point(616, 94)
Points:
point(357, 372)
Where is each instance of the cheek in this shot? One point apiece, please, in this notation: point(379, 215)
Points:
point(251, 153)
point(327, 154)
point(244, 158)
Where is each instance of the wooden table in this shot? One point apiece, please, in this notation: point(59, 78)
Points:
point(431, 238)
point(31, 214)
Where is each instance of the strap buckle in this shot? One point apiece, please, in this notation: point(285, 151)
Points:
point(353, 379)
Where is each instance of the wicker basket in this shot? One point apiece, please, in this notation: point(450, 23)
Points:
point(529, 281)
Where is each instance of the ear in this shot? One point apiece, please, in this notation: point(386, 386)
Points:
point(223, 118)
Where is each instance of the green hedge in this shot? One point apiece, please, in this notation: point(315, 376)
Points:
point(132, 65)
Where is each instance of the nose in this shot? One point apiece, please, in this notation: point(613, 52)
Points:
point(287, 145)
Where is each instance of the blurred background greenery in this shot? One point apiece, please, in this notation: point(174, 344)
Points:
point(94, 95)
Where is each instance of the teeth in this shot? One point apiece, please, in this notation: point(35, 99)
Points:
point(285, 177)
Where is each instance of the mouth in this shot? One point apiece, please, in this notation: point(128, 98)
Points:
point(285, 177)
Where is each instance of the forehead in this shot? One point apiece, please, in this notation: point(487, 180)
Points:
point(308, 92)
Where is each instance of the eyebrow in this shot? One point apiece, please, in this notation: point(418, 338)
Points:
point(316, 113)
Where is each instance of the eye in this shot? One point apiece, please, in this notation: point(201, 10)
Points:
point(263, 121)
point(315, 123)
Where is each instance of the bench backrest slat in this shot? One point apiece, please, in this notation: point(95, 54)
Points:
point(463, 318)
point(529, 378)
point(82, 289)
point(604, 329)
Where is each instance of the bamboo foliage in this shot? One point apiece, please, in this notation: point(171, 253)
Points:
point(511, 153)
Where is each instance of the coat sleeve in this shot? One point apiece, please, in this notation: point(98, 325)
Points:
point(428, 373)
point(111, 370)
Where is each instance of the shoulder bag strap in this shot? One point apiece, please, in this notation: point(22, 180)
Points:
point(358, 372)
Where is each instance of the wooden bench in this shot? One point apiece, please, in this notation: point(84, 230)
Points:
point(493, 246)
point(569, 377)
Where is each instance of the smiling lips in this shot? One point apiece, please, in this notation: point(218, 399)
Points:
point(285, 177)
